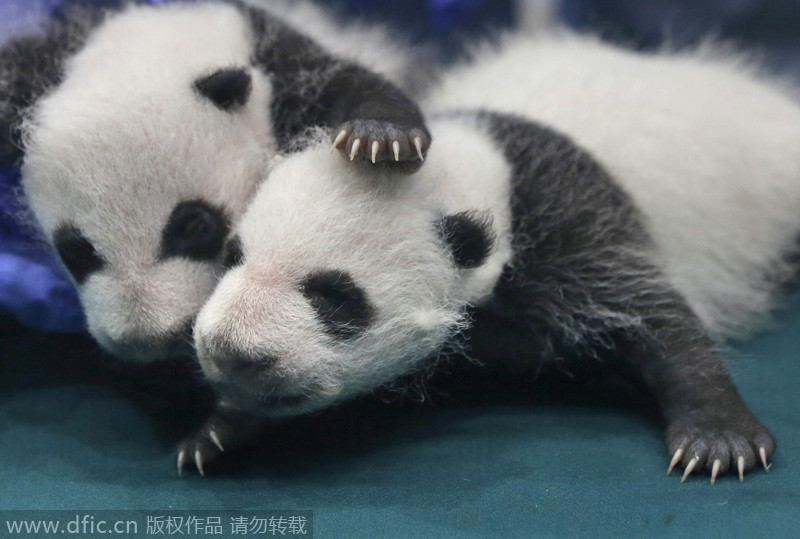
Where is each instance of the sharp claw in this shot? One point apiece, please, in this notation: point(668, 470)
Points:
point(198, 461)
point(375, 147)
point(181, 461)
point(396, 150)
point(354, 149)
point(418, 146)
point(763, 454)
point(339, 138)
point(215, 438)
point(715, 470)
point(676, 458)
point(689, 468)
point(740, 465)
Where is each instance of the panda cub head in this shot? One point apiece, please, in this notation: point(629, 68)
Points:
point(340, 282)
point(138, 159)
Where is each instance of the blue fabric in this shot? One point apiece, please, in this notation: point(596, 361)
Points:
point(32, 282)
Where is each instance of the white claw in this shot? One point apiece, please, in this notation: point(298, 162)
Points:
point(396, 150)
point(740, 465)
point(763, 454)
point(418, 146)
point(375, 147)
point(181, 461)
point(676, 458)
point(215, 438)
point(715, 470)
point(689, 468)
point(198, 461)
point(339, 138)
point(354, 149)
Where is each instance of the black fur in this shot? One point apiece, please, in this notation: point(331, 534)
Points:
point(312, 88)
point(31, 65)
point(343, 307)
point(77, 252)
point(469, 236)
point(582, 283)
point(227, 88)
point(195, 230)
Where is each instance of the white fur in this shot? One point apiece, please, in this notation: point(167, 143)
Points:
point(709, 152)
point(316, 212)
point(125, 137)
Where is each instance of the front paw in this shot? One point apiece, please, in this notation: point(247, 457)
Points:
point(225, 430)
point(378, 141)
point(718, 444)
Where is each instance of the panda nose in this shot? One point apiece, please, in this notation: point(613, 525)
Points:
point(238, 364)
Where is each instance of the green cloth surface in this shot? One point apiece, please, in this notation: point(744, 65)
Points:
point(547, 457)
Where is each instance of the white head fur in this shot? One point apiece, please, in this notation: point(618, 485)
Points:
point(126, 136)
point(259, 339)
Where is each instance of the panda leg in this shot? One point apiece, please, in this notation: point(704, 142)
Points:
point(226, 429)
point(709, 427)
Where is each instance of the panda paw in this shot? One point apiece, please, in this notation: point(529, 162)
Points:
point(719, 444)
point(223, 431)
point(381, 142)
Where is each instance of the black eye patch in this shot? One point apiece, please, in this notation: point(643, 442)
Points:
point(194, 230)
point(469, 236)
point(341, 305)
point(233, 253)
point(227, 88)
point(76, 252)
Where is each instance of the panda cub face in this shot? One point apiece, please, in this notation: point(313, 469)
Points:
point(340, 282)
point(140, 160)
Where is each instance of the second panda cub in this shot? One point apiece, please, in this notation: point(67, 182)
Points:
point(510, 236)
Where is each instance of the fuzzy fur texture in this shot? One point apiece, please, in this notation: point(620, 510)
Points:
point(116, 135)
point(707, 150)
point(324, 214)
point(572, 273)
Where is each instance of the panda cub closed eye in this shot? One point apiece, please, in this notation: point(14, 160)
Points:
point(342, 306)
point(195, 230)
point(77, 252)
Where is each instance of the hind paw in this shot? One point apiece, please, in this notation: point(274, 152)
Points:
point(719, 445)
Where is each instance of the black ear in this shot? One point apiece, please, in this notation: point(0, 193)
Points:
point(27, 69)
point(470, 237)
point(227, 88)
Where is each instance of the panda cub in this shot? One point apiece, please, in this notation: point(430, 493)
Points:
point(143, 131)
point(511, 243)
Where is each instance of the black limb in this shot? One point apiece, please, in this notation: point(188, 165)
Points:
point(226, 430)
point(371, 120)
point(583, 282)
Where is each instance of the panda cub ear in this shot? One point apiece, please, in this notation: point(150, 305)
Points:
point(228, 88)
point(469, 235)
